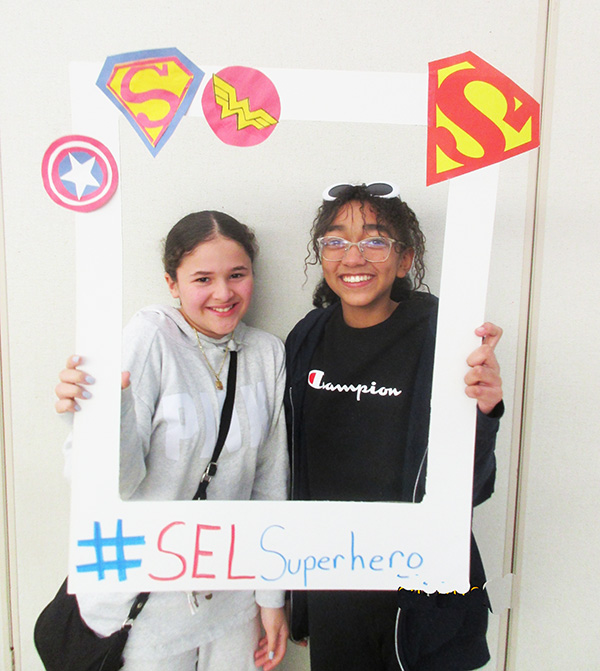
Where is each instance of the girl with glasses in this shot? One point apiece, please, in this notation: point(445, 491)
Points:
point(372, 326)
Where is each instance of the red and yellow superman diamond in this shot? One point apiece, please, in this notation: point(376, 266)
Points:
point(153, 89)
point(477, 116)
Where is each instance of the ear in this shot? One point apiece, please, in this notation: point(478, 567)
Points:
point(405, 263)
point(172, 284)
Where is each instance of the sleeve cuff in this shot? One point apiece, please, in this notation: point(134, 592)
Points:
point(496, 412)
point(268, 598)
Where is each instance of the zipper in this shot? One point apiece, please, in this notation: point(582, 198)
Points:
point(293, 438)
point(192, 598)
point(401, 664)
point(295, 640)
point(293, 471)
point(414, 497)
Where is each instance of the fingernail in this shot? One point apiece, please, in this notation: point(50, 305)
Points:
point(77, 407)
point(86, 394)
point(75, 359)
point(271, 655)
point(89, 379)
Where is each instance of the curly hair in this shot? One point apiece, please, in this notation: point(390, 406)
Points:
point(393, 216)
point(199, 227)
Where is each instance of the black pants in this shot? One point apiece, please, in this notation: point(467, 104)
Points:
point(356, 631)
point(352, 631)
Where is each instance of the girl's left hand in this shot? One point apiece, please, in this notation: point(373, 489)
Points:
point(271, 648)
point(483, 380)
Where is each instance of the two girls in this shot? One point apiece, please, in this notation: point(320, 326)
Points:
point(371, 324)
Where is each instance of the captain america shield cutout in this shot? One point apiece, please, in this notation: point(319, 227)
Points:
point(79, 173)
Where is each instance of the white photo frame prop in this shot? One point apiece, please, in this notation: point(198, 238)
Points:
point(180, 545)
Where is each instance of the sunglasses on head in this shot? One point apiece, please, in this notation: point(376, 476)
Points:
point(377, 189)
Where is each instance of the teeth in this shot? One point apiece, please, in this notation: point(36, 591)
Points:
point(356, 278)
point(227, 309)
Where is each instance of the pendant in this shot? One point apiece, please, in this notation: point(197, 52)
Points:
point(219, 384)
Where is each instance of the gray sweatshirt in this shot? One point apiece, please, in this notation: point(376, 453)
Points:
point(169, 422)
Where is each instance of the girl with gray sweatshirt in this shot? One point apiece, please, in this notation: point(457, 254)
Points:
point(177, 361)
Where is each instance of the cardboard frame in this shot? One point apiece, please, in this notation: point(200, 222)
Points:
point(179, 545)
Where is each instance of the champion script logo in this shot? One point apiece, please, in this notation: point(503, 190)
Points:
point(315, 380)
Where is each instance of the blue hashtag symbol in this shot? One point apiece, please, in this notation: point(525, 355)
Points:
point(119, 542)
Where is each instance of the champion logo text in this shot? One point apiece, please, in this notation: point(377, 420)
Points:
point(315, 380)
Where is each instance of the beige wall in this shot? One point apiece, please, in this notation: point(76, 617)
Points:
point(556, 614)
point(39, 40)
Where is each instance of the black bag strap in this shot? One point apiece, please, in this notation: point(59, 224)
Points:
point(226, 414)
point(209, 473)
point(136, 609)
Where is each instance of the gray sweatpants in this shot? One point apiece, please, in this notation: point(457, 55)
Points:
point(232, 652)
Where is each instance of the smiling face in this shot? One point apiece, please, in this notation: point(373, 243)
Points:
point(364, 287)
point(214, 284)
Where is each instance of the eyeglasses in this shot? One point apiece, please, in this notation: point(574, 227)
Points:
point(377, 189)
point(374, 250)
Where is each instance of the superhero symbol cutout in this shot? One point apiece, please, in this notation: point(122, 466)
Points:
point(241, 106)
point(153, 89)
point(79, 173)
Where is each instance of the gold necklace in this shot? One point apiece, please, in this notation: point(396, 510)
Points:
point(218, 383)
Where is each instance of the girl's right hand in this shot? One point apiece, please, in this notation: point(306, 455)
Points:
point(73, 383)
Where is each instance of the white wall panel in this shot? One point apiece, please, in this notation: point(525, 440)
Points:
point(556, 614)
